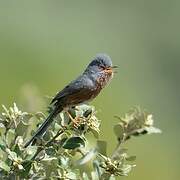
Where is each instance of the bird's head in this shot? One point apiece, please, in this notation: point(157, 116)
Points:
point(101, 64)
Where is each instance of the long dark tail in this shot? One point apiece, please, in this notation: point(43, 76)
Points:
point(42, 129)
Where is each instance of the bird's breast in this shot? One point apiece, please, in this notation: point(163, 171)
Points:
point(103, 80)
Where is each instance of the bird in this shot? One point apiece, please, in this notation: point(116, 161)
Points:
point(83, 89)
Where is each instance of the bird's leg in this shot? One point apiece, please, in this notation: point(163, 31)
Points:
point(74, 120)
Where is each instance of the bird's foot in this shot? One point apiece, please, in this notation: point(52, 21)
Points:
point(75, 121)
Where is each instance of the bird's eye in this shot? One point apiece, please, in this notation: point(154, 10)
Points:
point(102, 67)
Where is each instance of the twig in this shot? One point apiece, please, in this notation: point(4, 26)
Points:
point(118, 148)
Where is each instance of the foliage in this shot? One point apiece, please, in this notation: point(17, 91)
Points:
point(65, 152)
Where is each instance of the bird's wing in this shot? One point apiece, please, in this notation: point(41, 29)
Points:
point(78, 88)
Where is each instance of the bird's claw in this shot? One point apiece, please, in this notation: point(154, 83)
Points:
point(76, 122)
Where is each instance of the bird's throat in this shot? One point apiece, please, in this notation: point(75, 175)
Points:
point(104, 79)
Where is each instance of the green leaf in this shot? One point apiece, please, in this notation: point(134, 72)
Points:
point(71, 175)
point(25, 117)
point(10, 136)
point(57, 126)
point(126, 169)
point(74, 142)
point(87, 112)
point(11, 155)
point(40, 116)
point(119, 131)
point(2, 129)
point(50, 151)
point(49, 159)
point(85, 176)
point(94, 175)
point(88, 156)
point(21, 128)
point(131, 158)
point(17, 149)
point(64, 161)
point(84, 110)
point(105, 176)
point(98, 170)
point(64, 119)
point(26, 168)
point(102, 147)
point(112, 177)
point(49, 165)
point(4, 166)
point(30, 152)
point(2, 146)
point(152, 130)
point(20, 167)
point(119, 152)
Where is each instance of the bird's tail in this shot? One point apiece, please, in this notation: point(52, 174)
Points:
point(42, 129)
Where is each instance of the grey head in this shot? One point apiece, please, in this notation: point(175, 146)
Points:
point(101, 60)
point(100, 63)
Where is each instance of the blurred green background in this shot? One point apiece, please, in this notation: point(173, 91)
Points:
point(48, 43)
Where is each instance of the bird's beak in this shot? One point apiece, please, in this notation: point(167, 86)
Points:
point(114, 67)
point(111, 69)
